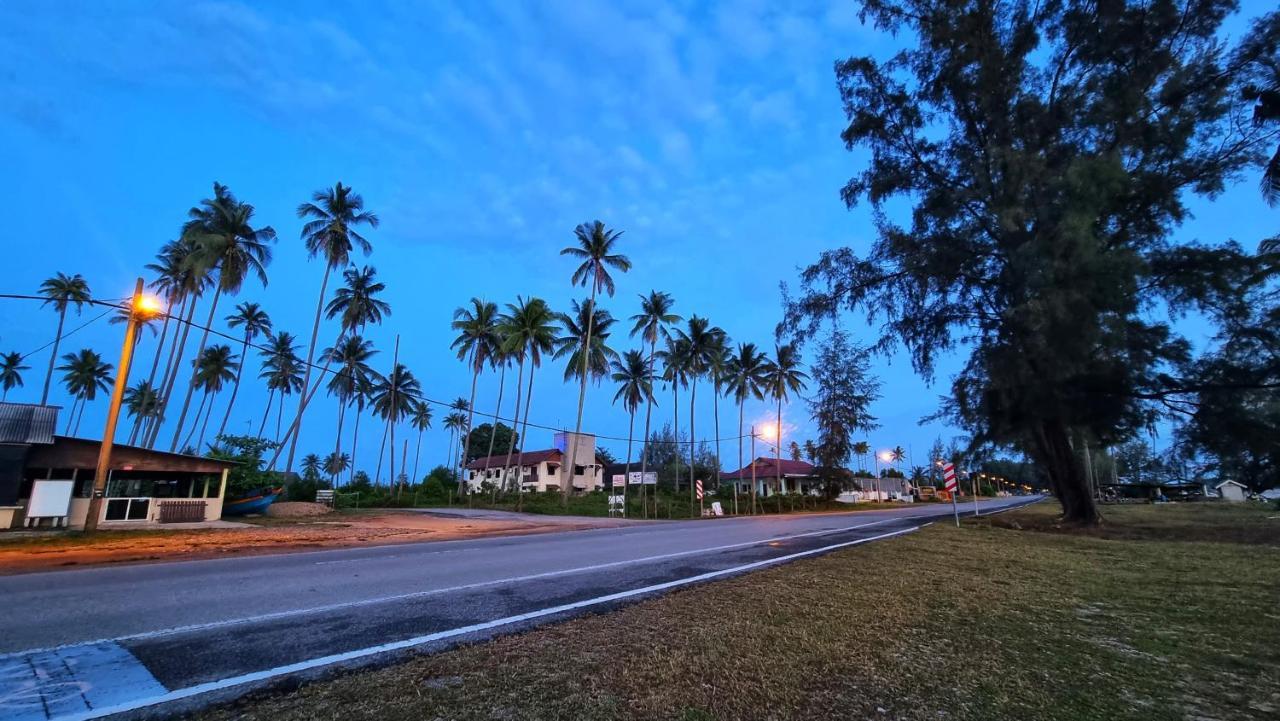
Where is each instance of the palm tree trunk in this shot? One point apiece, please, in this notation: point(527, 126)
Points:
point(155, 362)
point(777, 450)
point(528, 400)
point(337, 441)
point(271, 396)
point(154, 418)
point(417, 454)
point(471, 412)
point(626, 474)
point(295, 426)
point(71, 417)
point(497, 411)
point(306, 378)
point(382, 449)
point(716, 413)
point(515, 423)
point(741, 405)
point(582, 396)
point(53, 357)
point(204, 427)
point(644, 444)
point(448, 453)
point(391, 427)
point(196, 421)
point(84, 402)
point(693, 394)
point(171, 373)
point(191, 387)
point(355, 439)
point(279, 420)
point(675, 419)
point(244, 350)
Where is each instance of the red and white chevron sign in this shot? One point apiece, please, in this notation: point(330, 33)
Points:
point(698, 486)
point(949, 477)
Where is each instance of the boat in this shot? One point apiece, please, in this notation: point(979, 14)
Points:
point(255, 501)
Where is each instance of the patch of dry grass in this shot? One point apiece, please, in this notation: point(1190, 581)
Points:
point(974, 623)
point(1214, 522)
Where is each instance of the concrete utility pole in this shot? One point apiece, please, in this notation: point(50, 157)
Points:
point(139, 307)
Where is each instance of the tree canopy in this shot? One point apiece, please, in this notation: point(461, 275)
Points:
point(1048, 152)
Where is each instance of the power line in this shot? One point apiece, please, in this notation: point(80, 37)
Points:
point(73, 331)
point(325, 370)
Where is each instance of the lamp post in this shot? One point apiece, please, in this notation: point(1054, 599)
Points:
point(141, 306)
point(753, 469)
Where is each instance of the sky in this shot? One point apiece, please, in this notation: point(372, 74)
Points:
point(481, 133)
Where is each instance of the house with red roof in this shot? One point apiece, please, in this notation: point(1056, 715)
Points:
point(774, 475)
point(541, 470)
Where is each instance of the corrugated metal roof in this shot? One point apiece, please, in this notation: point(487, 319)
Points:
point(26, 423)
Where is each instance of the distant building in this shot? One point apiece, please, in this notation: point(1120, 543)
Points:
point(57, 472)
point(1232, 491)
point(542, 470)
point(797, 477)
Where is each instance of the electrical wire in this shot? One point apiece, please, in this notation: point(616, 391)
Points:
point(119, 304)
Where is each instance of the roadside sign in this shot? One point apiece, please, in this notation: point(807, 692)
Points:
point(617, 479)
point(699, 488)
point(717, 509)
point(648, 478)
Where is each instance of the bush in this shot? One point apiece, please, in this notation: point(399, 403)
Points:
point(304, 489)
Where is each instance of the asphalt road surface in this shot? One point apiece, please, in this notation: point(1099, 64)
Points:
point(156, 639)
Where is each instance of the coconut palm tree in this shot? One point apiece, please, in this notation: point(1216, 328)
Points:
point(333, 217)
point(335, 463)
point(141, 402)
point(183, 278)
point(529, 332)
point(587, 351)
point(11, 368)
point(745, 381)
point(782, 377)
point(356, 304)
point(717, 371)
point(254, 321)
point(215, 367)
point(595, 246)
point(476, 344)
point(501, 360)
point(454, 422)
point(61, 291)
point(360, 397)
point(351, 356)
point(282, 370)
point(311, 465)
point(861, 449)
point(394, 396)
point(85, 375)
point(222, 230)
point(421, 422)
point(651, 323)
point(635, 386)
point(699, 340)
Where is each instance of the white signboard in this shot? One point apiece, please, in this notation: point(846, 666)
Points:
point(50, 499)
point(648, 478)
point(617, 500)
point(716, 509)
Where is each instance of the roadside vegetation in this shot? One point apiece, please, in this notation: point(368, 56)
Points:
point(980, 622)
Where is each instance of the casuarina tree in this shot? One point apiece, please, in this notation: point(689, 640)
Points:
point(1048, 151)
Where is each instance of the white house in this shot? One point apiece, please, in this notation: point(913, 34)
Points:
point(542, 470)
point(1232, 491)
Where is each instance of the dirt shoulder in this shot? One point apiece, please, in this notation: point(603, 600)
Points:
point(21, 553)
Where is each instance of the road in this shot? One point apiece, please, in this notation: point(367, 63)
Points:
point(155, 639)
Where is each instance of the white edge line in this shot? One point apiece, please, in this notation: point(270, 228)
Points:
point(160, 633)
point(460, 631)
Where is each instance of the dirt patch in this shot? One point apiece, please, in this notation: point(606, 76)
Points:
point(275, 535)
point(297, 509)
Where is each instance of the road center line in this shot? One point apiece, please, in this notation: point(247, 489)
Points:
point(455, 632)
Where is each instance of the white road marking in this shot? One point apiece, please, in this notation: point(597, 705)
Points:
point(158, 633)
point(451, 633)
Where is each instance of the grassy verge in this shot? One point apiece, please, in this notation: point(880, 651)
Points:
point(983, 622)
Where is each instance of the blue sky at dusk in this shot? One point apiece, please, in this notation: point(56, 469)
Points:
point(481, 134)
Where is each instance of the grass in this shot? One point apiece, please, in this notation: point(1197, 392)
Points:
point(981, 622)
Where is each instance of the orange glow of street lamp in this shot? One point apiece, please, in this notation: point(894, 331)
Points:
point(767, 431)
point(886, 456)
point(148, 306)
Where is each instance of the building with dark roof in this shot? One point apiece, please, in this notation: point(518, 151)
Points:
point(48, 478)
point(796, 476)
point(540, 470)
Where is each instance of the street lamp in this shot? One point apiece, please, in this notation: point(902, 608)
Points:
point(141, 307)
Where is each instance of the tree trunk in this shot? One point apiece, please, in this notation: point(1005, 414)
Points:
point(644, 445)
point(204, 398)
point(271, 396)
point(693, 444)
point(417, 454)
point(471, 415)
point(382, 449)
point(204, 427)
point(71, 417)
point(582, 396)
point(53, 357)
point(528, 399)
point(152, 424)
point(515, 423)
point(675, 419)
point(777, 458)
point(1051, 448)
point(337, 441)
point(235, 389)
point(355, 439)
point(626, 474)
point(191, 386)
point(740, 466)
point(502, 386)
point(306, 376)
point(171, 377)
point(715, 408)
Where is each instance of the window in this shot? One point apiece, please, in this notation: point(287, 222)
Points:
point(578, 470)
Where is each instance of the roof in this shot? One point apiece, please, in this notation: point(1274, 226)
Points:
point(27, 423)
point(766, 468)
point(1230, 483)
point(67, 452)
point(529, 458)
